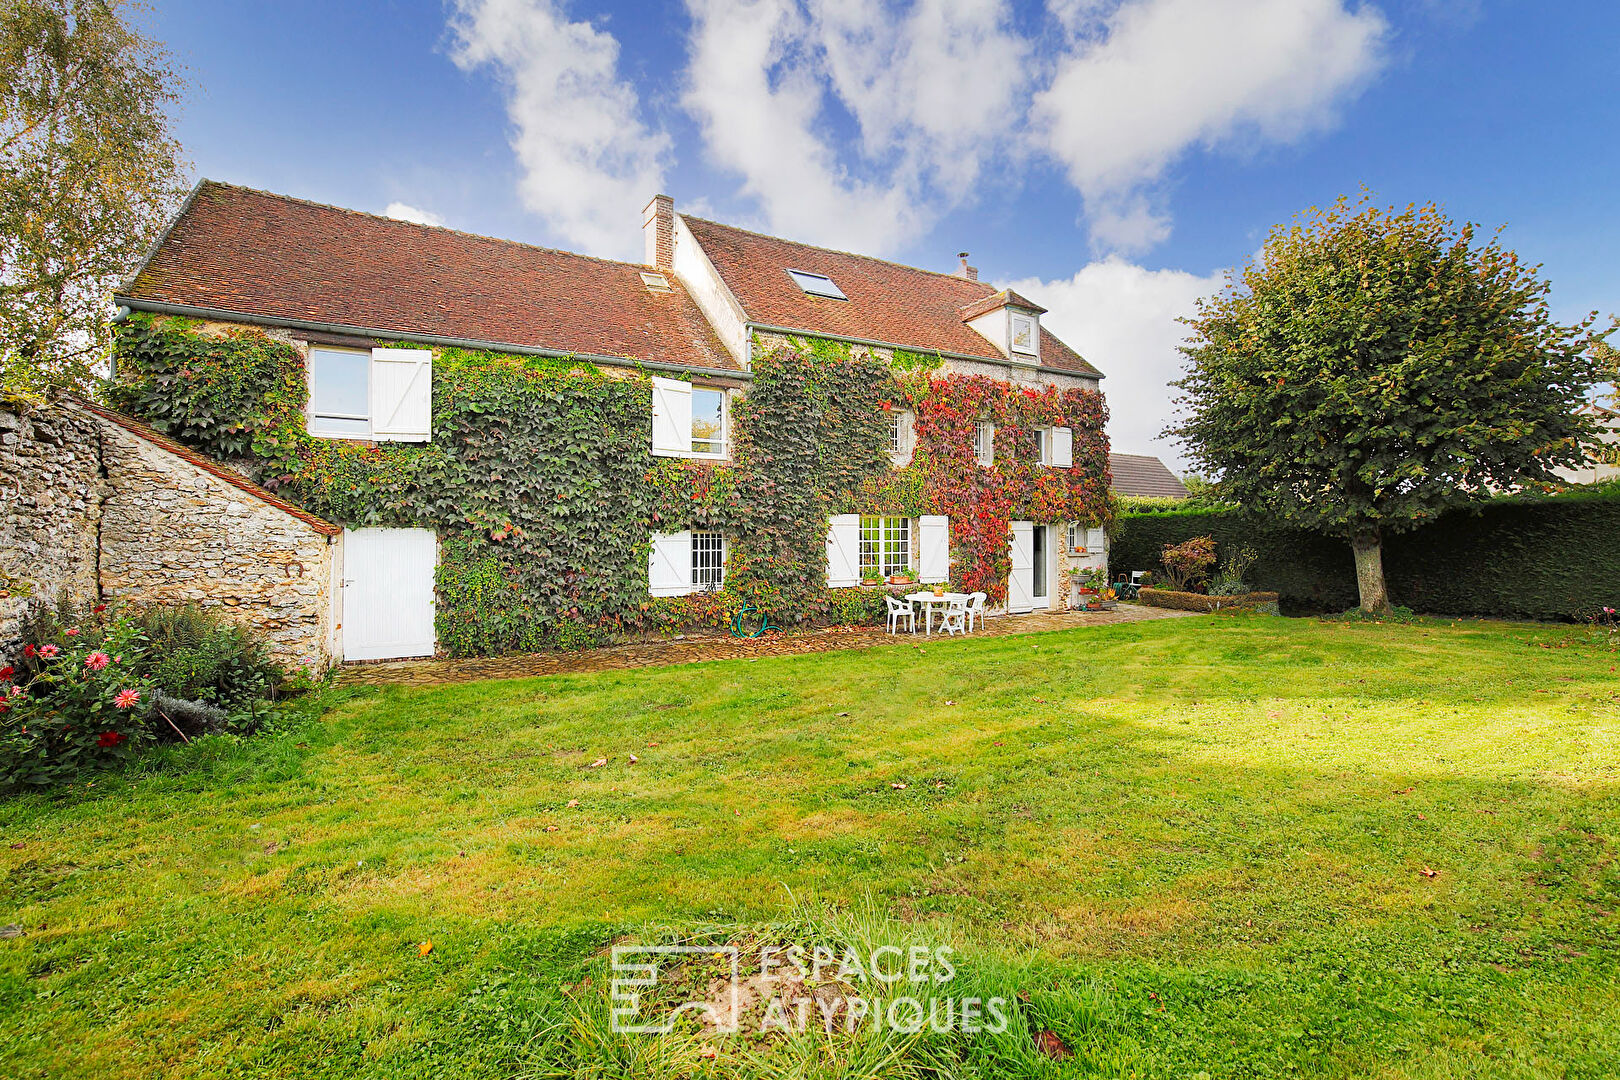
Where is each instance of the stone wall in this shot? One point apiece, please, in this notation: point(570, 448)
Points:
point(97, 506)
point(173, 532)
point(51, 488)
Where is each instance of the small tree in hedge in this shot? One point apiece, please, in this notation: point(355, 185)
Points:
point(1373, 368)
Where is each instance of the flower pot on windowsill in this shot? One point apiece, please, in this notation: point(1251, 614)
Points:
point(900, 579)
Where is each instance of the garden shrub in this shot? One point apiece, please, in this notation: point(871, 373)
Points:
point(94, 683)
point(1523, 556)
point(1187, 564)
point(74, 706)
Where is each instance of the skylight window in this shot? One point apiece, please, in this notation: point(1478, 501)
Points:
point(817, 284)
point(656, 282)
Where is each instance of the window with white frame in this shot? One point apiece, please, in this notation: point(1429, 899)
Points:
point(1085, 539)
point(682, 563)
point(1043, 445)
point(900, 436)
point(1024, 335)
point(885, 545)
point(340, 393)
point(1054, 447)
point(984, 442)
point(708, 560)
point(384, 394)
point(688, 420)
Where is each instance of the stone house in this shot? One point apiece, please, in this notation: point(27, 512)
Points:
point(373, 307)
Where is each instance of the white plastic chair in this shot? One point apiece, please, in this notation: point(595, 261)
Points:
point(955, 618)
point(899, 610)
point(975, 608)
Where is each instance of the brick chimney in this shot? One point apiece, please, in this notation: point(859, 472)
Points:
point(971, 273)
point(658, 226)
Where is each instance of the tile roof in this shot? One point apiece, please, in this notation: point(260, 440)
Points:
point(275, 257)
point(186, 453)
point(1144, 474)
point(902, 305)
point(1004, 298)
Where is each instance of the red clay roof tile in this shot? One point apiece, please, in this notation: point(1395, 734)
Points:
point(270, 256)
point(888, 302)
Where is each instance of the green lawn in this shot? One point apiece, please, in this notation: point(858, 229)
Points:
point(1188, 847)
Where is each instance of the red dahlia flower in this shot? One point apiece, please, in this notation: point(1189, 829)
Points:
point(110, 738)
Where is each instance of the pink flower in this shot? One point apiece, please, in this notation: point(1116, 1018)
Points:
point(1608, 611)
point(126, 698)
point(47, 652)
point(72, 631)
point(97, 660)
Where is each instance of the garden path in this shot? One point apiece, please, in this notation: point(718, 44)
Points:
point(692, 648)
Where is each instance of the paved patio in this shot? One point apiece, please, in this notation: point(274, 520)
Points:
point(693, 648)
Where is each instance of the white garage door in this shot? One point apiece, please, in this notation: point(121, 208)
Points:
point(388, 593)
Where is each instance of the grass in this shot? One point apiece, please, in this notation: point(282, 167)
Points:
point(1189, 847)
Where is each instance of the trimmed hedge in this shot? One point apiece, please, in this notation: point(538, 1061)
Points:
point(1191, 601)
point(1520, 557)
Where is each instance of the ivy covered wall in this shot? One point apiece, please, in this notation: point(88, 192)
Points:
point(541, 484)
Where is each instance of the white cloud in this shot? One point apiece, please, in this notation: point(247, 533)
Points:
point(590, 162)
point(1122, 317)
point(934, 88)
point(1166, 75)
point(407, 212)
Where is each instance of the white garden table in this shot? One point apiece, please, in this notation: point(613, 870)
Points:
point(929, 602)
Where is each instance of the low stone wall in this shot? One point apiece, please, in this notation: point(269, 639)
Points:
point(100, 507)
point(51, 488)
point(172, 532)
point(1263, 602)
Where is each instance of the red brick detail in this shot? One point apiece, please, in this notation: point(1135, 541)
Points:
point(658, 226)
point(888, 302)
point(272, 257)
point(187, 454)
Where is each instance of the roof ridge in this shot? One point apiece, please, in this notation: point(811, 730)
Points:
point(850, 254)
point(419, 224)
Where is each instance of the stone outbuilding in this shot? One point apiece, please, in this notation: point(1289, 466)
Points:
point(99, 505)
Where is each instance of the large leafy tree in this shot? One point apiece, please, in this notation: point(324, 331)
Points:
point(1372, 368)
point(89, 172)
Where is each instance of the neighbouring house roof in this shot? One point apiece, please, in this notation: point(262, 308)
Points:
point(271, 257)
point(890, 303)
point(186, 453)
point(1143, 474)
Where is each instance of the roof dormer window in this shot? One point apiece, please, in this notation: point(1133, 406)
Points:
point(817, 284)
point(1024, 338)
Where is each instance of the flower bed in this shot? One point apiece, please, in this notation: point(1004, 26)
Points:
point(1263, 602)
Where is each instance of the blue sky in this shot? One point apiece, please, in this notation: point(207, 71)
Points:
point(1109, 157)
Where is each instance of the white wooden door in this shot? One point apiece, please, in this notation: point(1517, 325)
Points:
point(388, 593)
point(1021, 582)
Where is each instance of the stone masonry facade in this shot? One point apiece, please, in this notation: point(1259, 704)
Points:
point(51, 490)
point(133, 516)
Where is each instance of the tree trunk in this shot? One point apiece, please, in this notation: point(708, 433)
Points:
point(1368, 548)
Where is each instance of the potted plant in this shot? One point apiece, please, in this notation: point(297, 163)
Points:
point(1103, 600)
point(1091, 579)
point(903, 577)
point(871, 577)
point(939, 588)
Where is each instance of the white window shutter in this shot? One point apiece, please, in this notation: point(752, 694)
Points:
point(402, 394)
point(669, 564)
point(1096, 540)
point(1062, 448)
point(1021, 582)
point(671, 417)
point(934, 548)
point(843, 551)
